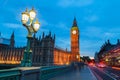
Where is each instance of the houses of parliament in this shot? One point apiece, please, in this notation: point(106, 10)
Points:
point(44, 52)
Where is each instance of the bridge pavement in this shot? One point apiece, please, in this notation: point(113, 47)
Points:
point(78, 73)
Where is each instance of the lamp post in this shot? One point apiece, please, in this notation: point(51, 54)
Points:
point(32, 25)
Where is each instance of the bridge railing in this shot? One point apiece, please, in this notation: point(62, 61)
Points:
point(49, 72)
point(32, 73)
point(10, 74)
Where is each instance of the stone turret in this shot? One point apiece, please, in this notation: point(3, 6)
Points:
point(118, 41)
point(12, 40)
point(43, 35)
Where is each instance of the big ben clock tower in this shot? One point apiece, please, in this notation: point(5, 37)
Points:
point(75, 55)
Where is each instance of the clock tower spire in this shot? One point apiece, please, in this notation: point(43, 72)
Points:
point(75, 55)
point(74, 22)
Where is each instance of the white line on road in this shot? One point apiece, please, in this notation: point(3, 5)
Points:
point(114, 74)
point(94, 77)
point(107, 74)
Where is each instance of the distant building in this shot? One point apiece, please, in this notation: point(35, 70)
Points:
point(4, 42)
point(43, 49)
point(86, 59)
point(96, 57)
point(61, 57)
point(8, 53)
point(109, 54)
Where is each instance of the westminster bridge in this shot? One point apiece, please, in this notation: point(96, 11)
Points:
point(68, 72)
point(75, 71)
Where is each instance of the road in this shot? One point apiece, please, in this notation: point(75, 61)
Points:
point(89, 73)
point(106, 73)
point(113, 72)
point(77, 73)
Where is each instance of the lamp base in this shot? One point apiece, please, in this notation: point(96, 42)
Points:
point(27, 59)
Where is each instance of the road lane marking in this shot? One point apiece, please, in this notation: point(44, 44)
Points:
point(94, 77)
point(106, 74)
point(114, 74)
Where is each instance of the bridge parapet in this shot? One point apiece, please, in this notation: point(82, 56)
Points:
point(32, 73)
point(49, 72)
point(10, 74)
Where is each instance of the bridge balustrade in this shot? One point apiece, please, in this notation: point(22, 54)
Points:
point(32, 73)
point(49, 72)
point(10, 74)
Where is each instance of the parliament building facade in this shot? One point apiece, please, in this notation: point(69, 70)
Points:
point(44, 52)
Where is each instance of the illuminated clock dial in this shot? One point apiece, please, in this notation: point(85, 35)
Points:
point(74, 31)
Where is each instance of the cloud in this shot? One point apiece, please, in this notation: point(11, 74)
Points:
point(108, 34)
point(13, 25)
point(87, 53)
point(62, 26)
point(99, 33)
point(92, 18)
point(111, 35)
point(74, 3)
point(64, 43)
point(92, 29)
point(44, 23)
point(59, 25)
point(91, 32)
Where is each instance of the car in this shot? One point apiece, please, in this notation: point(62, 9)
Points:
point(101, 65)
point(91, 64)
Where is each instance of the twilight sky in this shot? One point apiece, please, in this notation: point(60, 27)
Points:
point(98, 21)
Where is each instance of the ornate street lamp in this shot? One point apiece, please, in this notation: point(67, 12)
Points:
point(32, 25)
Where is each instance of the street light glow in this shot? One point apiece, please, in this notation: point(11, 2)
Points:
point(36, 26)
point(32, 14)
point(25, 17)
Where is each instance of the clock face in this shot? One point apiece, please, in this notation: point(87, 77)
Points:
point(74, 31)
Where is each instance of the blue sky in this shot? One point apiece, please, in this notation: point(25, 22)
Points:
point(98, 21)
